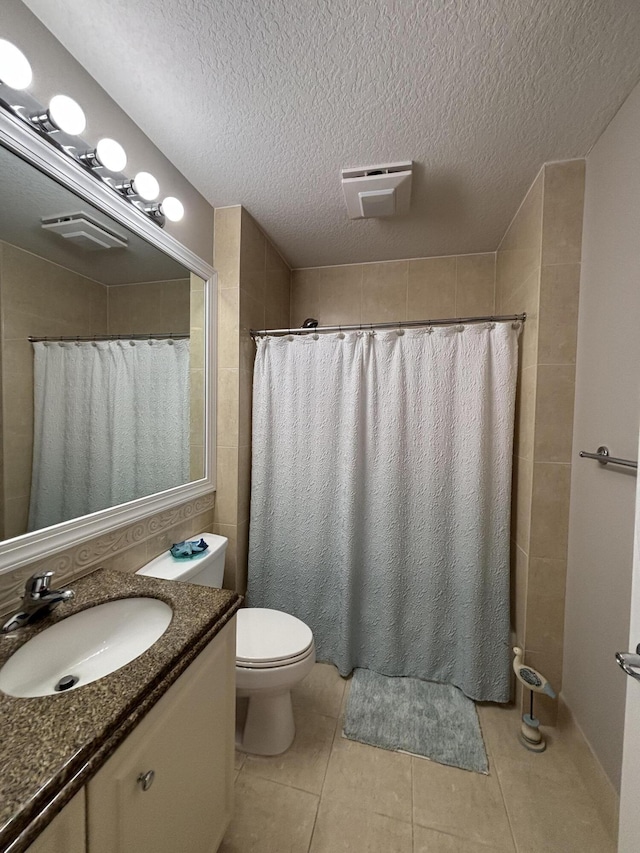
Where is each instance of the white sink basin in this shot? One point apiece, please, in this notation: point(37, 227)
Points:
point(86, 646)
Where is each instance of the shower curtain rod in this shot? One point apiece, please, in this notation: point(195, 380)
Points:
point(400, 324)
point(84, 338)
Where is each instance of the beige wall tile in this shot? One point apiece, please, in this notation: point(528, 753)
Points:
point(550, 510)
point(525, 413)
point(136, 308)
point(244, 482)
point(226, 508)
point(176, 305)
point(16, 516)
point(526, 299)
point(228, 407)
point(196, 462)
point(196, 381)
point(242, 558)
point(252, 316)
point(252, 245)
point(254, 282)
point(132, 559)
point(340, 295)
point(432, 288)
point(251, 312)
point(161, 306)
point(228, 327)
point(277, 299)
point(18, 403)
point(231, 532)
point(563, 211)
point(384, 292)
point(304, 296)
point(475, 285)
point(545, 606)
point(17, 358)
point(525, 231)
point(519, 584)
point(245, 403)
point(226, 246)
point(274, 260)
point(196, 283)
point(521, 502)
point(18, 450)
point(559, 297)
point(554, 412)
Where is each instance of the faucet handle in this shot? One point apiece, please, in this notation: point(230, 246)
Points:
point(38, 583)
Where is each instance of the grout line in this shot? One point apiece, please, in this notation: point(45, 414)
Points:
point(395, 261)
point(506, 810)
point(413, 832)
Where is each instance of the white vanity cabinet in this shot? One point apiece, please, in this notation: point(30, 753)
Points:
point(66, 833)
point(169, 786)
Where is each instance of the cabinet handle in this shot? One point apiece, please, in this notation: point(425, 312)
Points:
point(145, 780)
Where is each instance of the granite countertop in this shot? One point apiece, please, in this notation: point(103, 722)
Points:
point(51, 745)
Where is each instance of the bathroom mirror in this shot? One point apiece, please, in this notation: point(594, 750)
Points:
point(105, 357)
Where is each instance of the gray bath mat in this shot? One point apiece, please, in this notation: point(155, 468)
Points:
point(421, 717)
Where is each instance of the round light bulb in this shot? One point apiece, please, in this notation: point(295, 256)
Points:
point(67, 115)
point(15, 70)
point(111, 154)
point(146, 186)
point(172, 208)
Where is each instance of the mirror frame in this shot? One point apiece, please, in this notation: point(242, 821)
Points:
point(18, 137)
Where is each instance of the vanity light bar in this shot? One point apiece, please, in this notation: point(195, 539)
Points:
point(62, 122)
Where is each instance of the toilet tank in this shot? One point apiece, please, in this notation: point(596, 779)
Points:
point(206, 569)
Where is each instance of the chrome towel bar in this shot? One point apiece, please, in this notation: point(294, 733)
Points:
point(603, 457)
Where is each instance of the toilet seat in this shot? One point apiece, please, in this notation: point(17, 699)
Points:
point(270, 638)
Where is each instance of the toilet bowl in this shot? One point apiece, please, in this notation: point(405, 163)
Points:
point(274, 652)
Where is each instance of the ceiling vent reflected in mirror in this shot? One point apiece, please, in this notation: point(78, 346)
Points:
point(83, 231)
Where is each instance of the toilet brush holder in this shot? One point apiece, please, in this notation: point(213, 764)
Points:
point(530, 734)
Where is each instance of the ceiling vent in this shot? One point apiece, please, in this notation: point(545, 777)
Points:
point(377, 190)
point(84, 231)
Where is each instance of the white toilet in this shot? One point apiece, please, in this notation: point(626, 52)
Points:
point(274, 651)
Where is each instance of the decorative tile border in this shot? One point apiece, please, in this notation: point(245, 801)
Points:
point(83, 558)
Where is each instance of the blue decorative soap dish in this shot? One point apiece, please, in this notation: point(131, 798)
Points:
point(188, 550)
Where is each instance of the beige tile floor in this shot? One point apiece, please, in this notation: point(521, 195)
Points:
point(327, 794)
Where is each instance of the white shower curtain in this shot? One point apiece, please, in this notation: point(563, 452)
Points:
point(111, 423)
point(380, 499)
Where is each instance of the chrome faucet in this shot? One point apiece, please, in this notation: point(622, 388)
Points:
point(39, 600)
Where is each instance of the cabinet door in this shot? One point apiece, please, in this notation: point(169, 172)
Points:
point(67, 831)
point(185, 746)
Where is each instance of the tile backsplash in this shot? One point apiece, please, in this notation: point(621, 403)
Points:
point(126, 548)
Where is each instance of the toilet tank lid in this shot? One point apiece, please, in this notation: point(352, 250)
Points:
point(167, 567)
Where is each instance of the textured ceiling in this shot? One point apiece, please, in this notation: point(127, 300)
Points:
point(262, 102)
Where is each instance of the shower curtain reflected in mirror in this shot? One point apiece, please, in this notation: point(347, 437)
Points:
point(381, 492)
point(111, 424)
